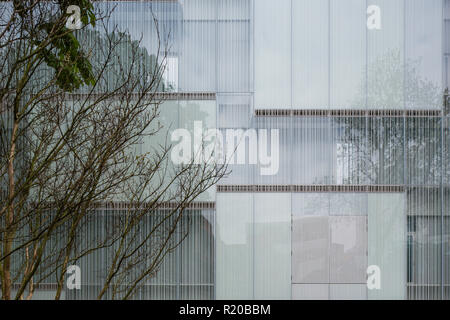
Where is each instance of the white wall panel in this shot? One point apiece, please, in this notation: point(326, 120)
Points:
point(234, 246)
point(387, 244)
point(272, 38)
point(310, 54)
point(310, 292)
point(272, 265)
point(348, 292)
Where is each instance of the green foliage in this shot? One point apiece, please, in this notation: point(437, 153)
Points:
point(64, 54)
point(68, 60)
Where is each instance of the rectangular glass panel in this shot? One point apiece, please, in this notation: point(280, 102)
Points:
point(348, 54)
point(385, 65)
point(272, 244)
point(310, 54)
point(234, 246)
point(423, 54)
point(310, 292)
point(272, 37)
point(310, 238)
point(348, 249)
point(387, 244)
point(348, 292)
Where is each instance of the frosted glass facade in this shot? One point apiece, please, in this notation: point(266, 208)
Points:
point(234, 247)
point(253, 246)
point(362, 172)
point(186, 273)
point(387, 244)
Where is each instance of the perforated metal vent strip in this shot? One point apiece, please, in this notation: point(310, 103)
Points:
point(311, 188)
point(346, 113)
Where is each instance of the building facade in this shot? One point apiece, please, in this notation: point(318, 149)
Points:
point(356, 204)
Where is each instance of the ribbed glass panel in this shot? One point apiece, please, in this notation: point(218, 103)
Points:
point(329, 244)
point(348, 292)
point(310, 54)
point(387, 244)
point(274, 142)
point(310, 292)
point(187, 115)
point(272, 246)
point(156, 25)
point(137, 18)
point(445, 210)
point(234, 112)
point(272, 39)
point(424, 147)
point(446, 44)
point(185, 273)
point(383, 156)
point(198, 60)
point(312, 151)
point(347, 53)
point(423, 54)
point(197, 258)
point(324, 55)
point(197, 117)
point(310, 239)
point(234, 246)
point(345, 150)
point(385, 68)
point(233, 47)
point(207, 42)
point(253, 246)
point(287, 55)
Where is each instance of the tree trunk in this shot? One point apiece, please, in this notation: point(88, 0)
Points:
point(7, 244)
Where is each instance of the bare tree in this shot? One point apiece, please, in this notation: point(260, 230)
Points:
point(76, 106)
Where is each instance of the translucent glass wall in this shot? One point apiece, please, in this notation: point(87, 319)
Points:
point(335, 237)
point(347, 150)
point(410, 152)
point(187, 115)
point(329, 246)
point(186, 273)
point(321, 54)
point(253, 246)
point(297, 55)
point(208, 41)
point(387, 244)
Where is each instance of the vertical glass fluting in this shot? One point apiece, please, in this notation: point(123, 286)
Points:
point(253, 246)
point(387, 248)
point(331, 54)
point(378, 93)
point(187, 272)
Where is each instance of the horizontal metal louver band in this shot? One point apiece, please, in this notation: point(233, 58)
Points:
point(311, 188)
point(346, 113)
point(156, 95)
